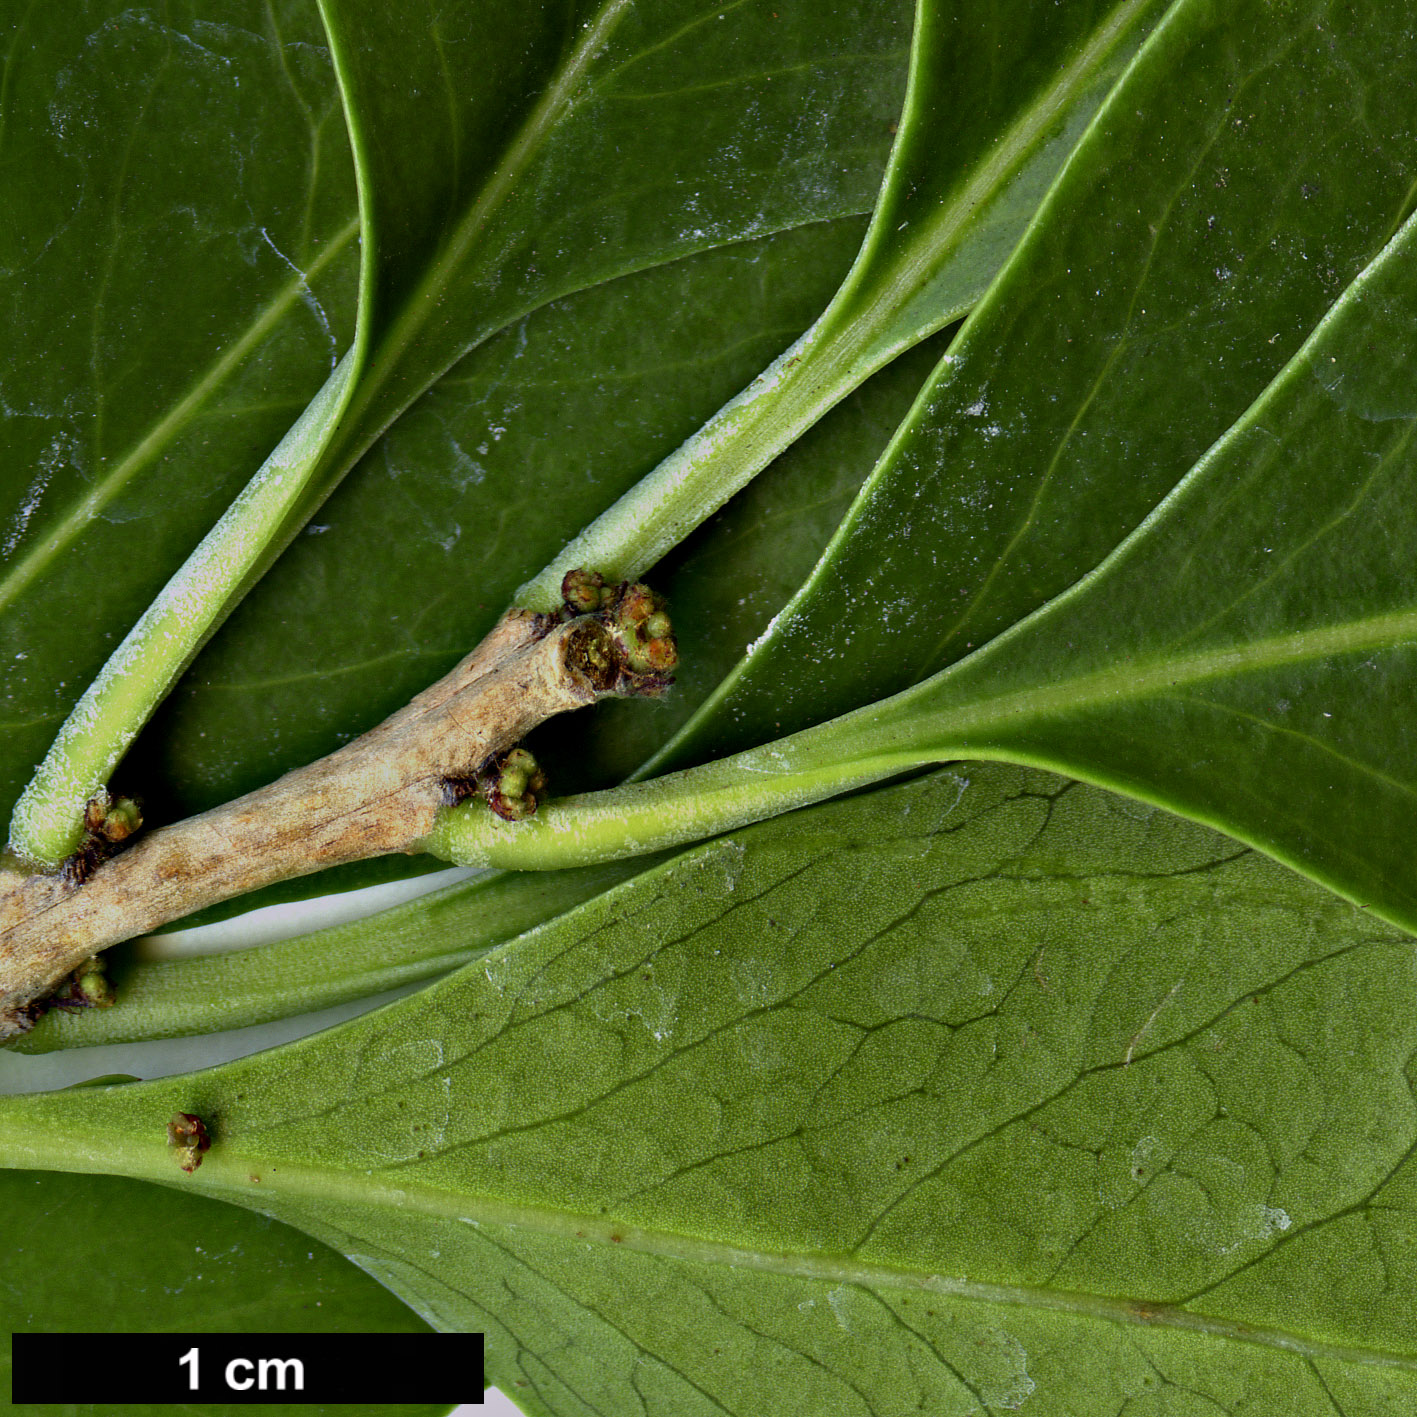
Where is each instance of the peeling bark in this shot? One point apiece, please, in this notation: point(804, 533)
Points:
point(377, 795)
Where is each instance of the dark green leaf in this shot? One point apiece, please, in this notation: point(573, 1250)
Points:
point(1243, 173)
point(1247, 656)
point(980, 1089)
point(525, 155)
point(462, 454)
point(726, 581)
point(462, 461)
point(947, 1097)
point(176, 281)
point(253, 98)
point(531, 121)
point(1013, 86)
point(419, 551)
point(996, 96)
point(85, 1254)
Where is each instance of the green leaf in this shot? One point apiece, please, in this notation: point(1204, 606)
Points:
point(1244, 656)
point(494, 164)
point(992, 1094)
point(135, 408)
point(853, 76)
point(1193, 668)
point(1247, 656)
point(1028, 106)
point(984, 1088)
point(1241, 174)
point(947, 215)
point(1032, 108)
point(164, 992)
point(48, 823)
point(725, 583)
point(176, 1264)
point(416, 554)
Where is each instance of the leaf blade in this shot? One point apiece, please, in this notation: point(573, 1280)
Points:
point(965, 202)
point(162, 995)
point(1111, 352)
point(1269, 699)
point(117, 385)
point(894, 1074)
point(252, 1275)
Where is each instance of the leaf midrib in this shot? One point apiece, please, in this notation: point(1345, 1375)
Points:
point(425, 300)
point(919, 254)
point(847, 356)
point(323, 1186)
point(1131, 679)
point(46, 1139)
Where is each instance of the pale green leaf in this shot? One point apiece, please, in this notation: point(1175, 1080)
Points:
point(980, 1089)
point(163, 991)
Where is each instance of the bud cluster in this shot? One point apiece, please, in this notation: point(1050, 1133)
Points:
point(635, 617)
point(109, 825)
point(513, 784)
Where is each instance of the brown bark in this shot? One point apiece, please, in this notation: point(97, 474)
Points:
point(379, 794)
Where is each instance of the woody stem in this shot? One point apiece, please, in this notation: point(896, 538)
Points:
point(377, 795)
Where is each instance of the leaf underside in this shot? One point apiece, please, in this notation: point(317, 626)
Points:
point(983, 1091)
point(1074, 1093)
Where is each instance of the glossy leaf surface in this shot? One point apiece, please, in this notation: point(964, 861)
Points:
point(996, 97)
point(726, 582)
point(526, 154)
point(948, 1096)
point(1248, 654)
point(417, 553)
point(855, 95)
point(489, 161)
point(981, 1088)
point(1242, 174)
point(170, 305)
point(176, 1264)
point(127, 80)
point(1244, 657)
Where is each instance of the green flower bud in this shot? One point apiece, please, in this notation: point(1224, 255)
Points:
point(91, 986)
point(582, 591)
point(112, 819)
point(124, 817)
point(658, 656)
point(513, 785)
point(637, 604)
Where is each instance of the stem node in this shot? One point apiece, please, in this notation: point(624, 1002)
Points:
point(380, 794)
